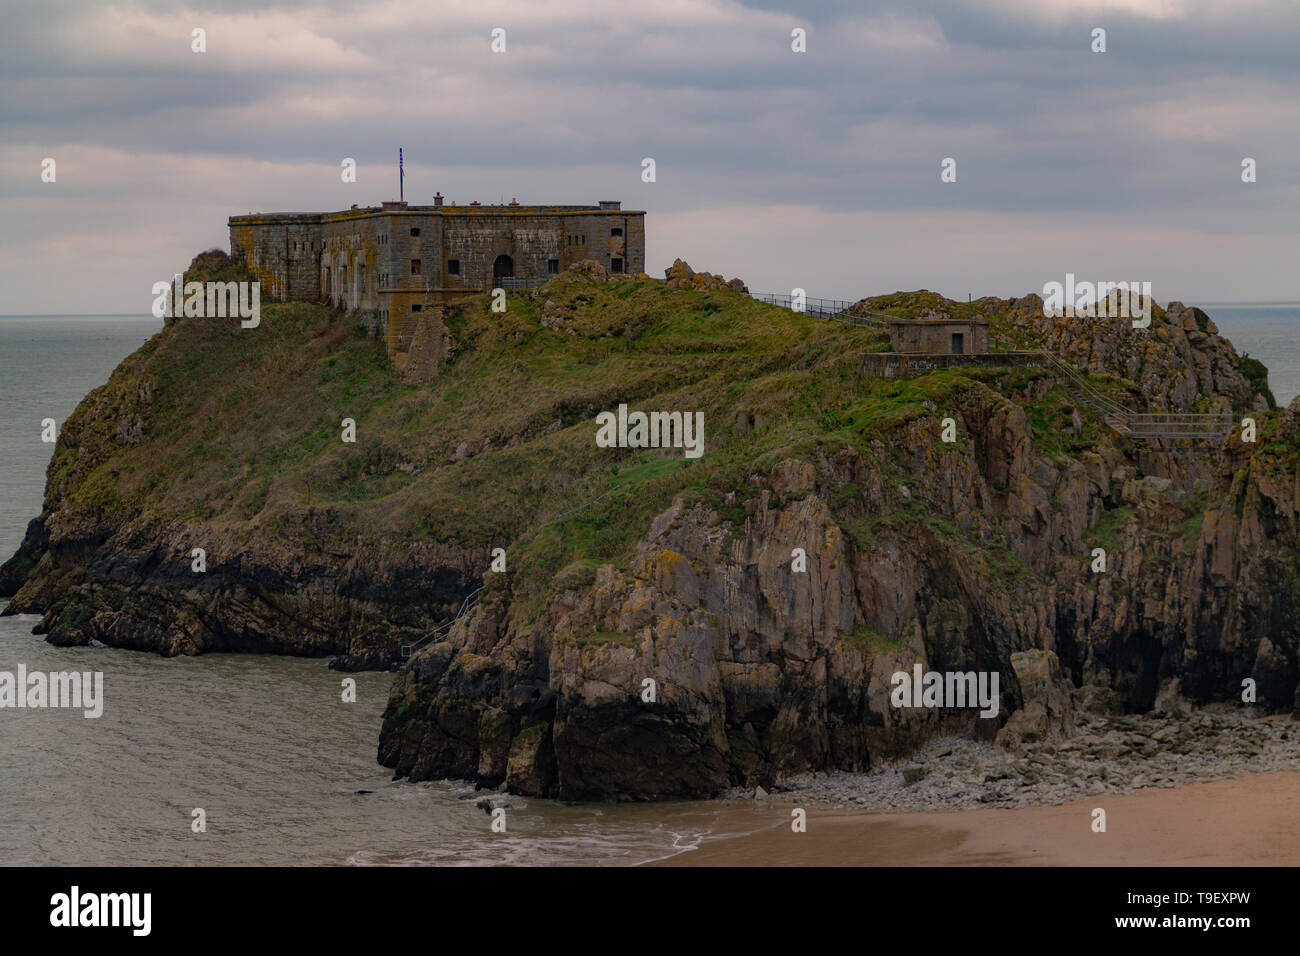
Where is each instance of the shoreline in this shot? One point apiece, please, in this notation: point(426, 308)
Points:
point(1240, 821)
point(1096, 754)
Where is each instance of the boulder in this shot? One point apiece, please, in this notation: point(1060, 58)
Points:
point(1098, 699)
point(682, 276)
point(1047, 714)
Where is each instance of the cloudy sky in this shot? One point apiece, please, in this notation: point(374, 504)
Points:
point(819, 169)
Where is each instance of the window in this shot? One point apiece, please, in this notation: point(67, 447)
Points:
point(417, 308)
point(415, 232)
point(615, 265)
point(415, 267)
point(453, 267)
point(616, 231)
point(552, 267)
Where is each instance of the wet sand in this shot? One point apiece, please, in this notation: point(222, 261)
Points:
point(1249, 821)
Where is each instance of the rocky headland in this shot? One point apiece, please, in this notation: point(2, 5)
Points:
point(628, 566)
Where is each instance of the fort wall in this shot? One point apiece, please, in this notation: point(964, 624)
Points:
point(398, 263)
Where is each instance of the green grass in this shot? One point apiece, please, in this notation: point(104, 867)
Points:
point(1105, 533)
point(872, 641)
point(607, 637)
point(1255, 372)
point(1190, 531)
point(241, 427)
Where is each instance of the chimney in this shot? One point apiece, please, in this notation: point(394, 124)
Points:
point(437, 199)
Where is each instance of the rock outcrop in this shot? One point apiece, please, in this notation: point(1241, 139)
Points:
point(732, 622)
point(1048, 712)
point(756, 673)
point(681, 276)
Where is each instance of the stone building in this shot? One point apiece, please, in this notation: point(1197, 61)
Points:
point(940, 336)
point(398, 262)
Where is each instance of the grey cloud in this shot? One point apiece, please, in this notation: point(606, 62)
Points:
point(1039, 126)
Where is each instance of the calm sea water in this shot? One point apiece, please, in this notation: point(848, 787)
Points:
point(264, 745)
point(1270, 332)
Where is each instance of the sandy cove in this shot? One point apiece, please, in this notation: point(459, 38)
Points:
point(1246, 821)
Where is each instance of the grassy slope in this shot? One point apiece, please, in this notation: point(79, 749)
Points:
point(243, 427)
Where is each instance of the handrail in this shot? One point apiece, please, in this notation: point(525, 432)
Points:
point(467, 605)
point(1101, 402)
point(827, 309)
point(1143, 424)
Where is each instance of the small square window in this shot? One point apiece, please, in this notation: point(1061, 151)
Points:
point(415, 232)
point(552, 267)
point(615, 265)
point(453, 267)
point(417, 308)
point(415, 267)
point(616, 231)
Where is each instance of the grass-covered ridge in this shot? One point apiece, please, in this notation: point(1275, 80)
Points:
point(239, 429)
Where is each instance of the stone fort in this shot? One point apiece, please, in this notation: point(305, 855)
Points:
point(400, 265)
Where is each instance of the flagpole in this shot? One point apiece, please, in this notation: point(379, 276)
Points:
point(401, 177)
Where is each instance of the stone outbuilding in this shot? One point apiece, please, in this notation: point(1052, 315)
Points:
point(940, 336)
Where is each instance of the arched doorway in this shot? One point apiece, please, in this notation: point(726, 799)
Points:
point(503, 268)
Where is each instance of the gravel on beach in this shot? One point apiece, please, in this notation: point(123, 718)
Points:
point(1107, 754)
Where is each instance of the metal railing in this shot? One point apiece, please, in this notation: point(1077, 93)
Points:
point(1141, 424)
point(1182, 425)
point(1107, 406)
point(518, 282)
point(441, 631)
point(837, 309)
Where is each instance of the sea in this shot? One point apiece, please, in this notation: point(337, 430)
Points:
point(282, 769)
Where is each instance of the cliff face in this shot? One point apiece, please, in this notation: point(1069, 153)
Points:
point(657, 632)
point(969, 555)
point(224, 440)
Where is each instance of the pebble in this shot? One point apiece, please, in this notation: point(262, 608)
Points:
point(1106, 755)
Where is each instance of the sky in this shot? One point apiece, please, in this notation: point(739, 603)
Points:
point(818, 170)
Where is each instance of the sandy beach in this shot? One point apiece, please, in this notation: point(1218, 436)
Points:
point(1247, 821)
